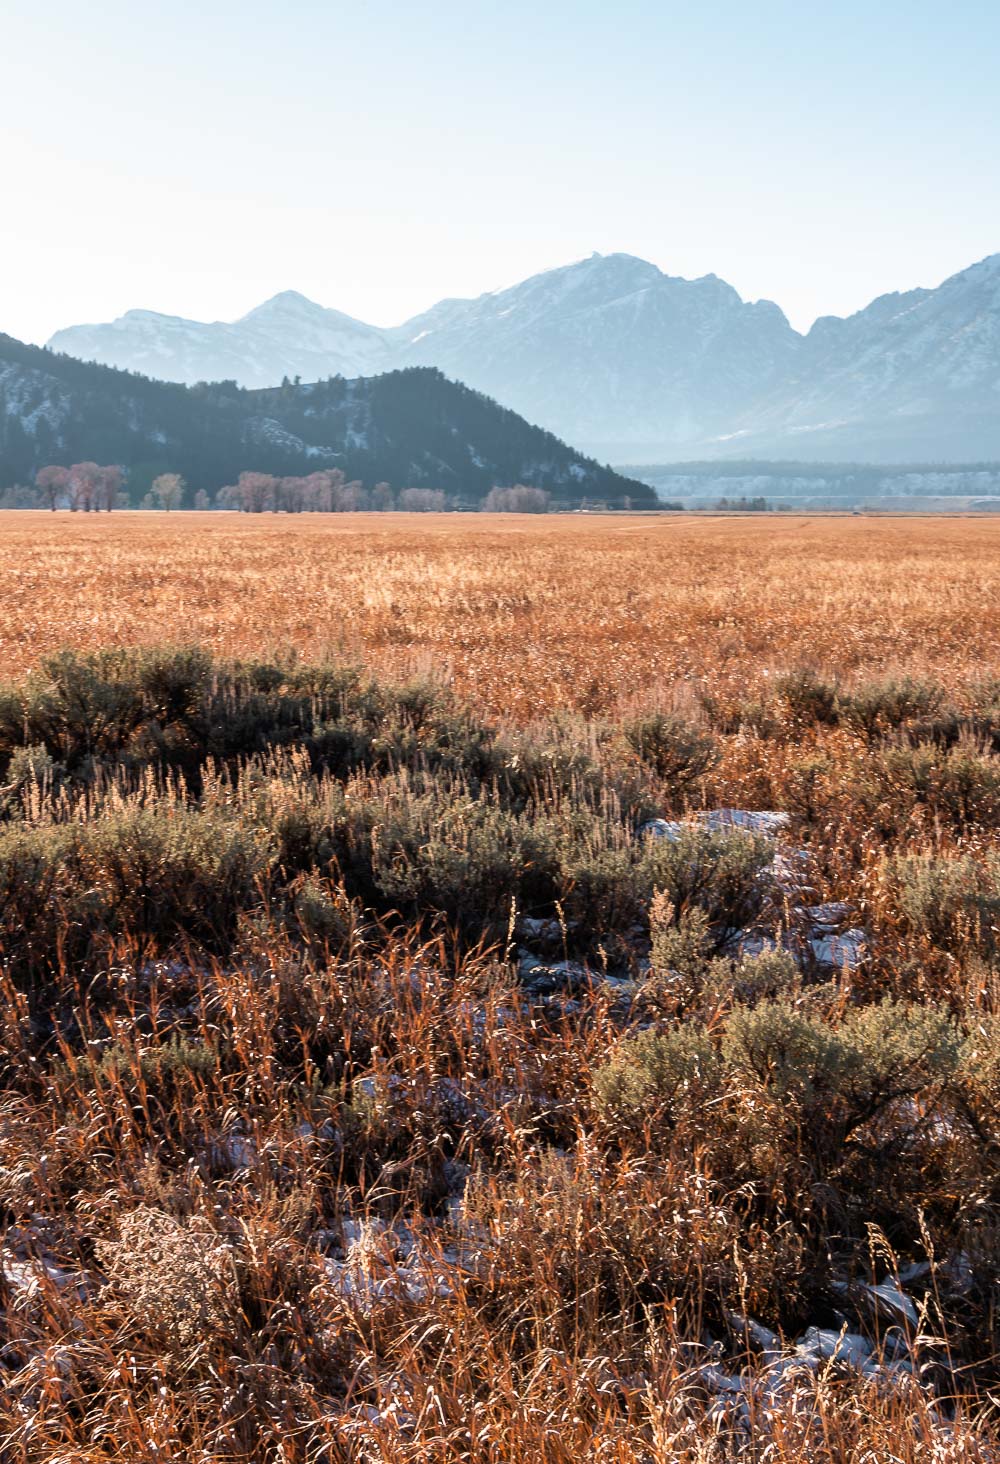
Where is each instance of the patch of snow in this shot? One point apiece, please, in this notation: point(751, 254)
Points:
point(838, 951)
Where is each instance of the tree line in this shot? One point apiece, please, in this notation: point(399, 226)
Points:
point(83, 486)
point(92, 487)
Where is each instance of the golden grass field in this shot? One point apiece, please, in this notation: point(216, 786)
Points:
point(526, 615)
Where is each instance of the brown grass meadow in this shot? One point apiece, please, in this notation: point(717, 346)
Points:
point(402, 1060)
point(525, 615)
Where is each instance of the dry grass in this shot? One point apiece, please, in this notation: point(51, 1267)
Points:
point(289, 1177)
point(523, 615)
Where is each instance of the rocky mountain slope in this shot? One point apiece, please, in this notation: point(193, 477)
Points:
point(613, 350)
point(410, 428)
point(638, 365)
point(286, 336)
point(912, 375)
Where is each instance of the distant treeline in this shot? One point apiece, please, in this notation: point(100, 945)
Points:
point(92, 487)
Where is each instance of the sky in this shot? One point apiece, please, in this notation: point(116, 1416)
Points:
point(381, 155)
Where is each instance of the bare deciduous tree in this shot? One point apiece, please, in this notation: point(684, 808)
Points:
point(519, 499)
point(422, 500)
point(109, 485)
point(52, 483)
point(168, 491)
point(84, 485)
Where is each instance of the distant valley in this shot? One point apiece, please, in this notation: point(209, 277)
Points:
point(756, 483)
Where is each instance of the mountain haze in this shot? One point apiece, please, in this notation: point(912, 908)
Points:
point(635, 364)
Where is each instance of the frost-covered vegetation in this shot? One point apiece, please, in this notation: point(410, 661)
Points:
point(383, 1082)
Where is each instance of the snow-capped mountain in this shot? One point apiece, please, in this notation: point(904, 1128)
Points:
point(612, 350)
point(286, 336)
point(637, 365)
point(608, 349)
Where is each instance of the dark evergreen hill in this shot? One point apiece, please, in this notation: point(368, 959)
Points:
point(411, 428)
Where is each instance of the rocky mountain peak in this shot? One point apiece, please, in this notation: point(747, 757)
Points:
point(635, 364)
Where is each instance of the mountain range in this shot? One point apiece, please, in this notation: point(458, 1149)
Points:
point(637, 365)
point(409, 428)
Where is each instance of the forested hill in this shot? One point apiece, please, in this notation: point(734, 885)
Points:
point(410, 428)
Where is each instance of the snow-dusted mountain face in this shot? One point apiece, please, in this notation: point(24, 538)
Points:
point(286, 336)
point(636, 365)
point(612, 350)
point(913, 375)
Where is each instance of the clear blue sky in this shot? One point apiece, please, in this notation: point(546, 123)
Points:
point(196, 158)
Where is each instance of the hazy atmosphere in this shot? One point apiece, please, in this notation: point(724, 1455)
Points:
point(196, 159)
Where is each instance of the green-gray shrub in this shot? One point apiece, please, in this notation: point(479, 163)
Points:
point(599, 885)
point(834, 1078)
point(806, 698)
point(656, 1076)
point(679, 752)
point(461, 856)
point(681, 946)
point(722, 874)
point(37, 921)
point(979, 1080)
point(765, 976)
point(323, 915)
point(785, 1051)
point(158, 873)
point(952, 902)
point(162, 1068)
point(960, 785)
point(898, 1049)
point(685, 974)
point(876, 708)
